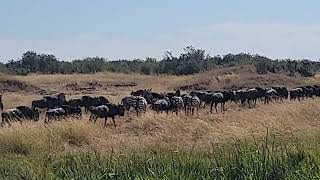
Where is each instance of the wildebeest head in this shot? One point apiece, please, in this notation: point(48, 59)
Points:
point(120, 109)
point(148, 95)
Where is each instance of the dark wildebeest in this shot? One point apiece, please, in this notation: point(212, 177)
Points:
point(269, 95)
point(282, 92)
point(19, 113)
point(93, 101)
point(40, 104)
point(296, 93)
point(72, 111)
point(75, 102)
point(55, 114)
point(202, 95)
point(105, 111)
point(139, 103)
point(146, 93)
point(170, 94)
point(160, 105)
point(60, 96)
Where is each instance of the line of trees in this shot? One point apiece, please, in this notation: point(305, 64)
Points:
point(191, 61)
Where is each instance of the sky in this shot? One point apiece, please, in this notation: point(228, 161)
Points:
point(127, 29)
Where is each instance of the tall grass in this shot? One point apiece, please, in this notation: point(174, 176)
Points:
point(245, 160)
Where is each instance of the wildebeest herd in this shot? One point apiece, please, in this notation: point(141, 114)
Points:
point(57, 107)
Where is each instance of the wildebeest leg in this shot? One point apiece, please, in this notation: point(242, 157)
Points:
point(105, 121)
point(114, 123)
point(192, 111)
point(215, 106)
point(211, 106)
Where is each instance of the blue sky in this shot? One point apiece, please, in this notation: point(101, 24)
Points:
point(119, 29)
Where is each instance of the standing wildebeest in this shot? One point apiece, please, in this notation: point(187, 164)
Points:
point(75, 102)
point(60, 96)
point(282, 92)
point(40, 104)
point(19, 113)
point(93, 101)
point(147, 94)
point(160, 105)
point(296, 93)
point(63, 112)
point(269, 95)
point(105, 111)
point(201, 95)
point(170, 94)
point(137, 102)
point(55, 114)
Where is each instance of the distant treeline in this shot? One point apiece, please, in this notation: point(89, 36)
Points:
point(191, 61)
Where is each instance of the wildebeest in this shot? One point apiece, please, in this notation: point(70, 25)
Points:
point(137, 102)
point(40, 104)
point(160, 105)
point(145, 93)
point(201, 95)
point(75, 102)
point(55, 114)
point(170, 94)
point(19, 113)
point(296, 93)
point(269, 95)
point(60, 96)
point(63, 112)
point(93, 101)
point(282, 92)
point(105, 111)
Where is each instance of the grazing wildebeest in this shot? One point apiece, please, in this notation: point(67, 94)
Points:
point(160, 105)
point(137, 102)
point(93, 101)
point(190, 103)
point(19, 113)
point(105, 111)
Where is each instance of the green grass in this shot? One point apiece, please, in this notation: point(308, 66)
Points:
point(268, 159)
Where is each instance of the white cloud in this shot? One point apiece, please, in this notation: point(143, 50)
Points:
point(272, 40)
